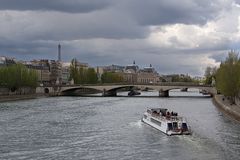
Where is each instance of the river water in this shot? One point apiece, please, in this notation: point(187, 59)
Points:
point(110, 128)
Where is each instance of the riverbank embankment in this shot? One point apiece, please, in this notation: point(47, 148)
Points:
point(231, 110)
point(7, 98)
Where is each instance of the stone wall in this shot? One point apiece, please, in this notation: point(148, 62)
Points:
point(4, 91)
point(20, 91)
point(226, 107)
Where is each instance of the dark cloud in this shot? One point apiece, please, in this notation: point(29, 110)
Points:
point(237, 1)
point(159, 12)
point(105, 25)
point(151, 12)
point(24, 50)
point(102, 32)
point(72, 6)
point(220, 57)
point(62, 26)
point(122, 19)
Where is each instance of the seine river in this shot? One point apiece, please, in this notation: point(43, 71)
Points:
point(110, 128)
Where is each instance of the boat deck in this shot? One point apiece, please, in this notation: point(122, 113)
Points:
point(165, 118)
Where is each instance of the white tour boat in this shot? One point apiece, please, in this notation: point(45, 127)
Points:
point(167, 122)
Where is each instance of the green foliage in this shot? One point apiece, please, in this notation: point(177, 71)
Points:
point(210, 75)
point(181, 78)
point(16, 76)
point(74, 72)
point(111, 77)
point(228, 76)
point(91, 76)
point(82, 75)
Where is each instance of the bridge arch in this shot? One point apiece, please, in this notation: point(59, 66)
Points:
point(113, 89)
point(80, 91)
point(208, 90)
point(46, 90)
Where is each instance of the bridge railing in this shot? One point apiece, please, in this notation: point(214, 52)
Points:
point(153, 84)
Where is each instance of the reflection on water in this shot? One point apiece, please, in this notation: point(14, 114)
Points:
point(110, 128)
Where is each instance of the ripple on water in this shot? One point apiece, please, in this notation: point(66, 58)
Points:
point(110, 128)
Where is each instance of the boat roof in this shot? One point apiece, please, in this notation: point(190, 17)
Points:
point(157, 109)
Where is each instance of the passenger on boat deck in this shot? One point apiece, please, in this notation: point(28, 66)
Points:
point(155, 113)
point(168, 115)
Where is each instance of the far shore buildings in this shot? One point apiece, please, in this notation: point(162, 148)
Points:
point(148, 75)
point(133, 74)
point(42, 68)
point(49, 72)
point(130, 73)
point(113, 68)
point(65, 73)
point(79, 64)
point(56, 72)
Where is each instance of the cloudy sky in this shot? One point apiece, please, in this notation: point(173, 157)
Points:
point(174, 36)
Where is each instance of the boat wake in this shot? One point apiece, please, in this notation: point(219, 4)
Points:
point(136, 124)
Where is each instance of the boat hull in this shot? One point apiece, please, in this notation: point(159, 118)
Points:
point(162, 126)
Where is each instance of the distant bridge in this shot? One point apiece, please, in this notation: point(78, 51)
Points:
point(112, 89)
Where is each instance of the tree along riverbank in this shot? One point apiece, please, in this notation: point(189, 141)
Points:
point(225, 105)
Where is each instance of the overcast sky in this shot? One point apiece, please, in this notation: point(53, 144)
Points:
point(174, 36)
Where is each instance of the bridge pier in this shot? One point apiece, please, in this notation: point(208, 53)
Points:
point(112, 93)
point(163, 93)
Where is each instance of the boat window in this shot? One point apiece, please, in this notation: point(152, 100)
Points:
point(155, 121)
point(175, 125)
point(184, 126)
point(170, 127)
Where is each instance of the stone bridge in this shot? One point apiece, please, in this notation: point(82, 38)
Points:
point(112, 89)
